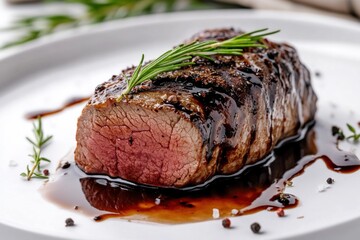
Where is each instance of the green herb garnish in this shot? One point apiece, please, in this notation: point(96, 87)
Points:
point(95, 11)
point(38, 145)
point(180, 56)
point(355, 136)
point(339, 133)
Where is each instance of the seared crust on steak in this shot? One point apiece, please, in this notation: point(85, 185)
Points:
point(188, 125)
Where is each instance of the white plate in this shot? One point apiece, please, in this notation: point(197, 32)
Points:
point(46, 73)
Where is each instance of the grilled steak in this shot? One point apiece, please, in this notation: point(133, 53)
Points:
point(188, 125)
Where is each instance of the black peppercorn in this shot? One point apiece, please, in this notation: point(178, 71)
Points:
point(66, 165)
point(330, 180)
point(255, 227)
point(69, 222)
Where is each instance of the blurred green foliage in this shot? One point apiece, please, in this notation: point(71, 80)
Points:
point(97, 11)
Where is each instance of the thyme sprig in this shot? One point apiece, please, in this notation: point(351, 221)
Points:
point(181, 56)
point(354, 135)
point(340, 135)
point(38, 144)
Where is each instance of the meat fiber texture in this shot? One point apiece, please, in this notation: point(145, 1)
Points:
point(186, 126)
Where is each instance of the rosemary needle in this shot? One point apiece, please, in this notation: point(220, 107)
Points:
point(38, 143)
point(180, 56)
point(354, 135)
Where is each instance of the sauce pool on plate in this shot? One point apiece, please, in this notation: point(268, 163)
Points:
point(254, 188)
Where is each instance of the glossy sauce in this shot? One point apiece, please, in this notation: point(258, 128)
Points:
point(254, 188)
point(69, 103)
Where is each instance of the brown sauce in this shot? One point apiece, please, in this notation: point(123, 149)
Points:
point(44, 113)
point(255, 188)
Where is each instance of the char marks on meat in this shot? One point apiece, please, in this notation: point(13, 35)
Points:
point(188, 125)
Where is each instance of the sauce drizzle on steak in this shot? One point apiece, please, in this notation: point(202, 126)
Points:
point(188, 125)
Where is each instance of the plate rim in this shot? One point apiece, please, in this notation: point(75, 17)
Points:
point(153, 19)
point(173, 17)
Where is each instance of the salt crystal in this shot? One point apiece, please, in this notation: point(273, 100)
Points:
point(157, 201)
point(322, 188)
point(234, 211)
point(12, 163)
point(216, 213)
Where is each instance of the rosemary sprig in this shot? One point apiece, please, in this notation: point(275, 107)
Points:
point(180, 56)
point(38, 26)
point(38, 145)
point(95, 11)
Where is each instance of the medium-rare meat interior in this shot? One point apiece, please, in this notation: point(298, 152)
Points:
point(188, 125)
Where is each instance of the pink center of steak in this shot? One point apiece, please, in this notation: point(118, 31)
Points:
point(138, 144)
